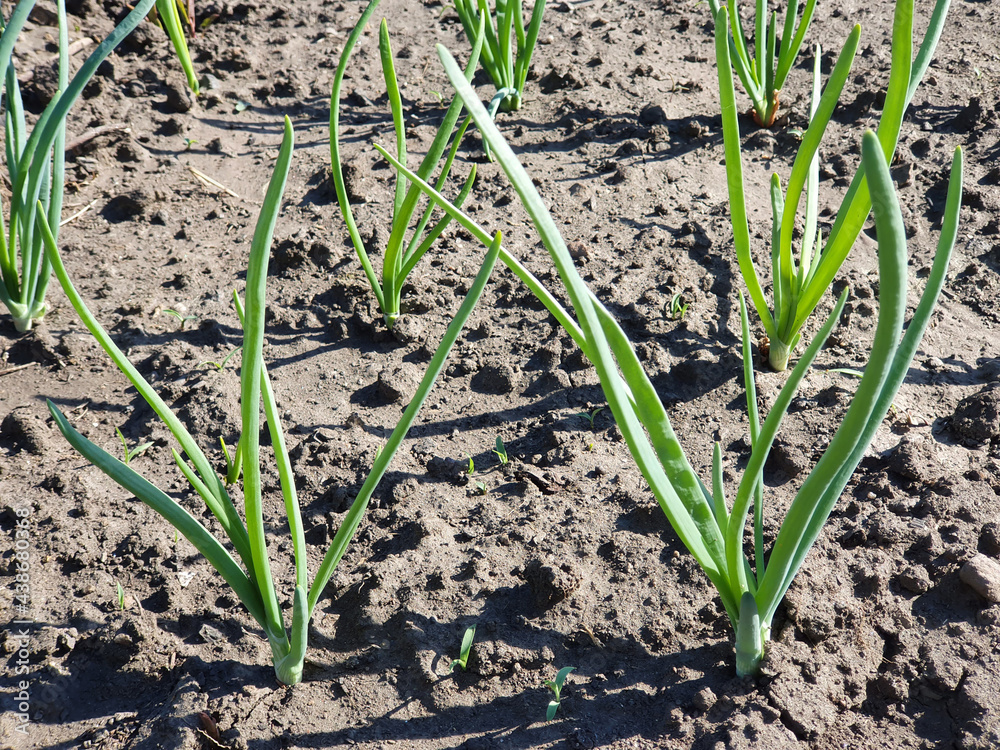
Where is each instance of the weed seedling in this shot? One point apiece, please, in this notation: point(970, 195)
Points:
point(120, 593)
point(220, 366)
point(556, 687)
point(591, 416)
point(137, 451)
point(472, 467)
point(481, 488)
point(183, 319)
point(501, 451)
point(463, 655)
point(678, 308)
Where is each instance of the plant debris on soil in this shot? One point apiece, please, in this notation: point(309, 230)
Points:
point(890, 636)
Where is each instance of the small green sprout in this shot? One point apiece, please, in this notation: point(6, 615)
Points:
point(481, 488)
point(234, 464)
point(463, 655)
point(678, 308)
point(121, 596)
point(472, 467)
point(556, 687)
point(220, 366)
point(188, 143)
point(591, 416)
point(137, 451)
point(182, 318)
point(847, 371)
point(501, 451)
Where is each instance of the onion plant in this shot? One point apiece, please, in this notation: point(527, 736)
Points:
point(507, 45)
point(171, 20)
point(713, 530)
point(36, 161)
point(799, 284)
point(764, 67)
point(400, 256)
point(249, 571)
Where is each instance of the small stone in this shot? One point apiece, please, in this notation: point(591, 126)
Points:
point(989, 539)
point(209, 82)
point(915, 579)
point(942, 669)
point(497, 378)
point(561, 78)
point(550, 584)
point(915, 458)
point(125, 206)
point(210, 634)
point(130, 152)
point(397, 383)
point(982, 574)
point(787, 457)
point(977, 417)
point(408, 330)
point(26, 430)
point(179, 97)
point(705, 699)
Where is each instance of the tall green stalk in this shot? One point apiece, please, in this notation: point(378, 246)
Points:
point(507, 45)
point(764, 69)
point(36, 162)
point(167, 11)
point(712, 531)
point(799, 281)
point(400, 256)
point(251, 577)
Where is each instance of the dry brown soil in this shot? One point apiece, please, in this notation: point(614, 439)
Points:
point(566, 559)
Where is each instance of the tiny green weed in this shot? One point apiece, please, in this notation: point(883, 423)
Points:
point(183, 319)
point(590, 416)
point(678, 308)
point(556, 687)
point(501, 451)
point(220, 366)
point(463, 655)
point(134, 452)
